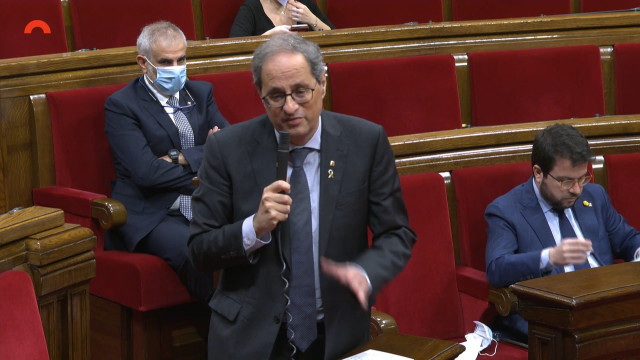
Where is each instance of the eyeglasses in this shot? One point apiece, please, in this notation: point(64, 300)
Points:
point(277, 100)
point(184, 109)
point(568, 184)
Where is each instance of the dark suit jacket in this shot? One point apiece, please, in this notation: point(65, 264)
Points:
point(248, 305)
point(518, 231)
point(139, 131)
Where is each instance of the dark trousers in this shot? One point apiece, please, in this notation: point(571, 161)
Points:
point(168, 241)
point(282, 349)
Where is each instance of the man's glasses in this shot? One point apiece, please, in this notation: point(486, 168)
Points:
point(568, 184)
point(277, 100)
point(183, 109)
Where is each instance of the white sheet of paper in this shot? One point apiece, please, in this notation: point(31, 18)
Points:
point(376, 355)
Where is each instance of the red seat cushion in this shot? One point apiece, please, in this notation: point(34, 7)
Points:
point(357, 13)
point(21, 332)
point(627, 74)
point(106, 24)
point(405, 95)
point(518, 86)
point(229, 88)
point(497, 9)
point(16, 18)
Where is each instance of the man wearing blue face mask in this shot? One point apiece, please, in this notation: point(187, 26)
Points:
point(157, 126)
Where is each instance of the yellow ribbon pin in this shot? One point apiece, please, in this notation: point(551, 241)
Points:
point(586, 203)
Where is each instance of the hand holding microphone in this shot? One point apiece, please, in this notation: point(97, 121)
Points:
point(275, 203)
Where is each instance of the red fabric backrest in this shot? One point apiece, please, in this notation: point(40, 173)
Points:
point(80, 149)
point(519, 86)
point(218, 16)
point(21, 332)
point(103, 24)
point(235, 94)
point(627, 58)
point(423, 298)
point(16, 17)
point(623, 172)
point(498, 9)
point(357, 13)
point(475, 188)
point(604, 5)
point(405, 95)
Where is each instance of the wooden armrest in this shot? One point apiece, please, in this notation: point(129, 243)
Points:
point(109, 212)
point(381, 322)
point(503, 299)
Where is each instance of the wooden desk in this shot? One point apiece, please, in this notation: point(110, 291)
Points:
point(414, 347)
point(588, 314)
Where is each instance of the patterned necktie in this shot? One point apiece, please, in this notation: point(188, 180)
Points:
point(566, 231)
point(302, 289)
point(186, 141)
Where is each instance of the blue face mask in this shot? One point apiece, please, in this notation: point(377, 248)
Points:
point(169, 79)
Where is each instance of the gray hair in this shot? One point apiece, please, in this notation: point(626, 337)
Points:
point(155, 33)
point(292, 43)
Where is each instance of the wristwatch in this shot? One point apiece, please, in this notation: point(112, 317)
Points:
point(174, 155)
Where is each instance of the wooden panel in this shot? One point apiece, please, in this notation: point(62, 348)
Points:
point(58, 243)
point(28, 221)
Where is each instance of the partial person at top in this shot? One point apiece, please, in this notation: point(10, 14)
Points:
point(267, 17)
point(555, 222)
point(157, 126)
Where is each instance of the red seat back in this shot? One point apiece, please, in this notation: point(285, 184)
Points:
point(31, 27)
point(405, 95)
point(475, 188)
point(103, 24)
point(357, 13)
point(423, 298)
point(519, 86)
point(21, 332)
point(218, 16)
point(623, 172)
point(235, 94)
point(496, 9)
point(627, 74)
point(606, 5)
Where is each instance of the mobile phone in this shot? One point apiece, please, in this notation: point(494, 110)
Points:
point(299, 27)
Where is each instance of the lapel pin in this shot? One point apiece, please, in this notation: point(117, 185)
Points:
point(332, 163)
point(330, 174)
point(586, 203)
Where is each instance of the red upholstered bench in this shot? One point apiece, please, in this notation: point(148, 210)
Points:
point(535, 85)
point(22, 37)
point(357, 13)
point(405, 95)
point(235, 94)
point(425, 299)
point(218, 16)
point(627, 74)
point(21, 333)
point(106, 24)
point(136, 283)
point(463, 10)
point(606, 5)
point(623, 172)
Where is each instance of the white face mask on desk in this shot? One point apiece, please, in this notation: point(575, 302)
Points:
point(478, 340)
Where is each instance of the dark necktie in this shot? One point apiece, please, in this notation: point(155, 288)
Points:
point(566, 231)
point(186, 141)
point(302, 288)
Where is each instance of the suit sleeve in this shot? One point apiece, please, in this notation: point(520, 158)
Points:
point(505, 266)
point(133, 155)
point(213, 117)
point(393, 239)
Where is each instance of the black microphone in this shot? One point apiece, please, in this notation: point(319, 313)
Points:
point(283, 155)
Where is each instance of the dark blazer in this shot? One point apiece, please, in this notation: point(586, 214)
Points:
point(518, 231)
point(139, 132)
point(248, 305)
